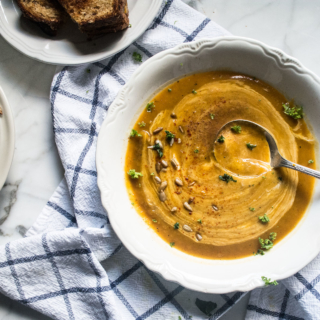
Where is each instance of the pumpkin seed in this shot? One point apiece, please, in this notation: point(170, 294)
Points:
point(157, 130)
point(181, 129)
point(158, 166)
point(159, 143)
point(164, 163)
point(173, 115)
point(215, 208)
point(192, 183)
point(198, 236)
point(162, 196)
point(187, 206)
point(174, 209)
point(175, 163)
point(163, 185)
point(171, 142)
point(178, 182)
point(158, 180)
point(179, 140)
point(163, 170)
point(191, 199)
point(187, 228)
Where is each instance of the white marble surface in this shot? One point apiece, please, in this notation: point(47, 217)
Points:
point(291, 25)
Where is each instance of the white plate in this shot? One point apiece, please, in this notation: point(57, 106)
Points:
point(70, 46)
point(213, 276)
point(6, 138)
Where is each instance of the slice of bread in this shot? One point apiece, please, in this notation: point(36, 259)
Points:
point(47, 14)
point(95, 17)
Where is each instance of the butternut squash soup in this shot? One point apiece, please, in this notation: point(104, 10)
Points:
point(214, 194)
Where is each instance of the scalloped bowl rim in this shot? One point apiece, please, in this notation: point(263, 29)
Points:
point(209, 276)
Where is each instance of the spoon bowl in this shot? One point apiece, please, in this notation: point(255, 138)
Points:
point(276, 159)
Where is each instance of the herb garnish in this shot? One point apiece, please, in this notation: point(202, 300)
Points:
point(158, 149)
point(137, 56)
point(152, 174)
point(172, 244)
point(236, 129)
point(264, 218)
point(221, 139)
point(169, 90)
point(268, 282)
point(194, 91)
point(280, 178)
point(265, 244)
point(227, 178)
point(150, 106)
point(134, 133)
point(251, 146)
point(154, 220)
point(273, 236)
point(252, 209)
point(142, 124)
point(200, 221)
point(133, 174)
point(196, 150)
point(296, 112)
point(261, 252)
point(212, 116)
point(176, 225)
point(310, 161)
point(169, 134)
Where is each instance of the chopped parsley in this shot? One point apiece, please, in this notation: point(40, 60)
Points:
point(130, 25)
point(280, 178)
point(169, 134)
point(221, 139)
point(261, 252)
point(273, 236)
point(134, 133)
point(194, 91)
point(154, 220)
point(176, 225)
point(296, 112)
point(227, 178)
point(169, 90)
point(236, 129)
point(196, 151)
point(264, 218)
point(268, 282)
point(142, 124)
point(252, 209)
point(251, 146)
point(150, 106)
point(172, 244)
point(200, 221)
point(212, 116)
point(158, 149)
point(133, 174)
point(152, 174)
point(310, 161)
point(266, 244)
point(137, 57)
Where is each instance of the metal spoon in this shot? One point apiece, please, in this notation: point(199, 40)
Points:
point(277, 160)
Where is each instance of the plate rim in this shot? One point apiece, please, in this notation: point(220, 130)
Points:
point(6, 110)
point(40, 55)
point(114, 110)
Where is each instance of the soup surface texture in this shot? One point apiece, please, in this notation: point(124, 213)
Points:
point(218, 194)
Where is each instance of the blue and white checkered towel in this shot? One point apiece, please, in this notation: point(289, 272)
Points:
point(71, 265)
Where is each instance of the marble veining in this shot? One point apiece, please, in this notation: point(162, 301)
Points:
point(291, 25)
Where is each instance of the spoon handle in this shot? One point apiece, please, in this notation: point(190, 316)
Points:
point(288, 164)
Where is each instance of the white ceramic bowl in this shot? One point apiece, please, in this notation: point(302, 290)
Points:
point(6, 138)
point(70, 46)
point(232, 53)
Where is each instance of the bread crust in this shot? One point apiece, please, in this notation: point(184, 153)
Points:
point(46, 23)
